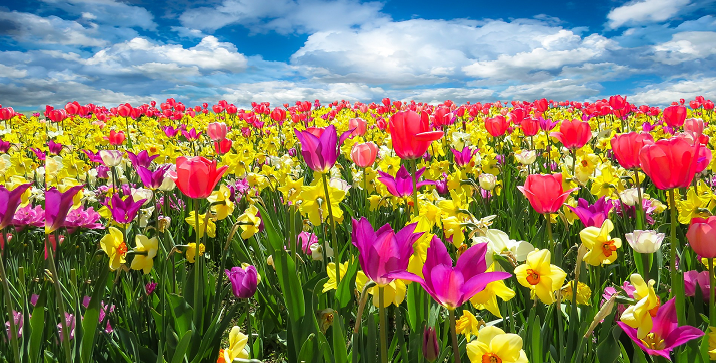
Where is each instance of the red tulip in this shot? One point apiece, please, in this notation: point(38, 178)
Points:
point(529, 126)
point(675, 116)
point(411, 135)
point(222, 147)
point(358, 125)
point(197, 177)
point(496, 126)
point(545, 192)
point(670, 163)
point(708, 105)
point(278, 114)
point(573, 134)
point(617, 102)
point(702, 235)
point(115, 138)
point(626, 148)
point(364, 154)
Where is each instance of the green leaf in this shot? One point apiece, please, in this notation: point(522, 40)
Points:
point(275, 241)
point(306, 354)
point(605, 350)
point(344, 294)
point(91, 318)
point(290, 286)
point(37, 323)
point(180, 352)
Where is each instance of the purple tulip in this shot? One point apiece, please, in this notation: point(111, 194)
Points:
point(56, 207)
point(93, 157)
point(431, 349)
point(124, 211)
point(592, 215)
point(547, 125)
point(666, 334)
point(9, 201)
point(18, 320)
point(320, 146)
point(243, 281)
point(452, 286)
point(441, 185)
point(141, 159)
point(4, 146)
point(463, 157)
point(191, 135)
point(305, 240)
point(54, 148)
point(693, 278)
point(384, 251)
point(402, 184)
point(39, 154)
point(152, 179)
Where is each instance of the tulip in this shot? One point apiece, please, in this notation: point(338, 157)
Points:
point(141, 159)
point(152, 179)
point(197, 177)
point(364, 154)
point(111, 158)
point(191, 135)
point(222, 147)
point(529, 127)
point(670, 163)
point(645, 241)
point(216, 131)
point(410, 134)
point(243, 281)
point(124, 211)
point(115, 138)
point(358, 125)
point(592, 215)
point(320, 147)
point(665, 335)
point(545, 192)
point(383, 251)
point(496, 126)
point(702, 236)
point(56, 207)
point(402, 184)
point(573, 134)
point(626, 148)
point(487, 181)
point(526, 157)
point(9, 201)
point(674, 116)
point(431, 349)
point(463, 157)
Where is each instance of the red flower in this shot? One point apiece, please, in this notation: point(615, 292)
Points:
point(670, 163)
point(701, 236)
point(573, 134)
point(364, 154)
point(115, 138)
point(222, 147)
point(529, 126)
point(626, 148)
point(217, 131)
point(496, 126)
point(545, 192)
point(411, 135)
point(197, 177)
point(675, 116)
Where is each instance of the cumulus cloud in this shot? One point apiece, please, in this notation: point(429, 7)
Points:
point(284, 16)
point(31, 28)
point(108, 12)
point(645, 11)
point(666, 92)
point(686, 46)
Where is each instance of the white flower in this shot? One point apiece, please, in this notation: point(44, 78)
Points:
point(339, 183)
point(630, 196)
point(487, 181)
point(317, 251)
point(499, 242)
point(460, 140)
point(141, 193)
point(111, 158)
point(645, 241)
point(144, 216)
point(526, 157)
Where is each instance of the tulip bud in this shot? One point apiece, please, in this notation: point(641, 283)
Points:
point(244, 281)
point(431, 349)
point(487, 181)
point(217, 130)
point(645, 241)
point(364, 154)
point(111, 158)
point(526, 157)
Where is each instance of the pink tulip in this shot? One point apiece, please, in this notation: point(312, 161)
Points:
point(670, 163)
point(364, 154)
point(545, 192)
point(702, 235)
point(216, 131)
point(358, 125)
point(573, 134)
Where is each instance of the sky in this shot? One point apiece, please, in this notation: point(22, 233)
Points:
point(109, 52)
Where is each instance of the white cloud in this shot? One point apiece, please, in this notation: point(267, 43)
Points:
point(108, 12)
point(208, 55)
point(558, 89)
point(284, 16)
point(645, 11)
point(11, 72)
point(666, 92)
point(279, 92)
point(686, 46)
point(31, 28)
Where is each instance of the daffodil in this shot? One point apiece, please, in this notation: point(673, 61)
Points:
point(113, 245)
point(249, 222)
point(331, 270)
point(147, 250)
point(222, 206)
point(467, 325)
point(191, 251)
point(394, 292)
point(583, 293)
point(205, 224)
point(696, 205)
point(291, 189)
point(639, 316)
point(494, 345)
point(487, 298)
point(602, 248)
point(315, 204)
point(237, 345)
point(540, 276)
point(606, 183)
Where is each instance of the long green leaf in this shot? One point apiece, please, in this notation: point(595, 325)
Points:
point(91, 318)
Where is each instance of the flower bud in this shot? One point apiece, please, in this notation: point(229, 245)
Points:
point(487, 181)
point(431, 350)
point(645, 241)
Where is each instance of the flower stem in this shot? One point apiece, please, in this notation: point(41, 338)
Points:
point(674, 273)
point(453, 333)
point(549, 230)
point(334, 241)
point(383, 327)
point(712, 303)
point(14, 335)
point(60, 301)
point(640, 216)
point(199, 293)
point(414, 165)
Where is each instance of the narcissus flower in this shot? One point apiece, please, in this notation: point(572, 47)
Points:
point(237, 345)
point(394, 292)
point(146, 249)
point(639, 316)
point(191, 251)
point(467, 325)
point(494, 345)
point(205, 224)
point(113, 245)
point(602, 248)
point(250, 222)
point(487, 298)
point(539, 275)
point(331, 271)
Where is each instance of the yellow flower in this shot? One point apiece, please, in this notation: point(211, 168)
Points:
point(222, 195)
point(148, 246)
point(639, 316)
point(237, 345)
point(695, 205)
point(291, 189)
point(209, 227)
point(467, 325)
point(453, 228)
point(331, 270)
point(583, 293)
point(315, 204)
point(487, 298)
point(539, 275)
point(113, 245)
point(712, 343)
point(606, 183)
point(250, 222)
point(602, 248)
point(394, 293)
point(191, 251)
point(494, 345)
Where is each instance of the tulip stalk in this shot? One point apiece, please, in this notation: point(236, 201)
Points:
point(14, 335)
point(674, 273)
point(453, 334)
point(60, 301)
point(414, 166)
point(383, 327)
point(712, 303)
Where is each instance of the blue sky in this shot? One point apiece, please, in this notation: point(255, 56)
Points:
point(115, 51)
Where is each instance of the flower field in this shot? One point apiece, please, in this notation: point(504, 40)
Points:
point(348, 232)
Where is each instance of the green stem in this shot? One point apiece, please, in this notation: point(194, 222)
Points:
point(549, 230)
point(453, 333)
point(416, 210)
point(199, 293)
point(14, 335)
point(60, 301)
point(674, 273)
point(712, 303)
point(381, 314)
point(334, 241)
point(250, 327)
point(640, 216)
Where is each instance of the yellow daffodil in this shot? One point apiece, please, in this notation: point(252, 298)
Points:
point(494, 345)
point(147, 249)
point(237, 345)
point(191, 251)
point(487, 298)
point(602, 248)
point(249, 222)
point(113, 245)
point(606, 183)
point(331, 270)
point(639, 316)
point(225, 206)
point(394, 292)
point(539, 275)
point(468, 325)
point(291, 189)
point(712, 343)
point(696, 205)
point(584, 293)
point(204, 225)
point(315, 205)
